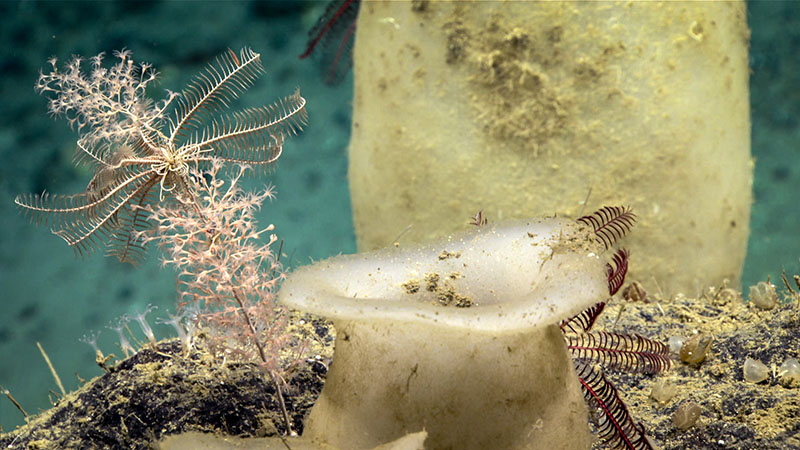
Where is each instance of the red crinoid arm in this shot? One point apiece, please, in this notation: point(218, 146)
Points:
point(617, 271)
point(610, 223)
point(615, 425)
point(583, 321)
point(334, 32)
point(335, 11)
point(628, 352)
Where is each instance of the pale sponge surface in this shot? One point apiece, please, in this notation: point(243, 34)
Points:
point(458, 338)
point(522, 109)
point(514, 276)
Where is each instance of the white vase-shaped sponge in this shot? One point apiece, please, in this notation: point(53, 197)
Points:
point(459, 337)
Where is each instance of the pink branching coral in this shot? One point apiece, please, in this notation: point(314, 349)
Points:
point(226, 272)
point(106, 104)
point(155, 167)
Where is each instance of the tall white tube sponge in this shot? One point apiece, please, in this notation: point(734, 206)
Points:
point(459, 337)
point(521, 109)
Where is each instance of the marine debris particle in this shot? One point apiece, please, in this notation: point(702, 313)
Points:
point(694, 350)
point(764, 295)
point(755, 371)
point(663, 391)
point(411, 286)
point(634, 293)
point(447, 255)
point(789, 373)
point(431, 282)
point(686, 416)
point(444, 291)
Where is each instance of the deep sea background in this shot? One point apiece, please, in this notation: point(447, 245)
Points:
point(49, 296)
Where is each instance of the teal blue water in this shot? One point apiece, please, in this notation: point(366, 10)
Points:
point(47, 296)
